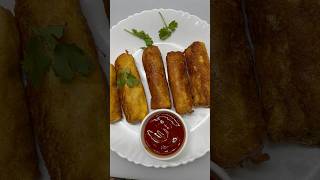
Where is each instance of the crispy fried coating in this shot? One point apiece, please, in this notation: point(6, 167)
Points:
point(70, 119)
point(198, 66)
point(286, 36)
point(133, 99)
point(18, 158)
point(179, 82)
point(156, 77)
point(115, 106)
point(237, 123)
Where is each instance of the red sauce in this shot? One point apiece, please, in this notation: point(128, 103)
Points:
point(164, 134)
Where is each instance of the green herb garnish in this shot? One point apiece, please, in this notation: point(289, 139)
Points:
point(126, 77)
point(69, 59)
point(36, 63)
point(167, 30)
point(44, 51)
point(142, 35)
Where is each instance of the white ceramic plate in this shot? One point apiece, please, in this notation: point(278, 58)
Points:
point(124, 137)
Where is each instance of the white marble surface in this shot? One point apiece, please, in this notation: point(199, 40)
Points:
point(200, 168)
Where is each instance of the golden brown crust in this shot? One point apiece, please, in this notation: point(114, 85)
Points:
point(286, 35)
point(133, 100)
point(179, 82)
point(236, 126)
point(115, 106)
point(198, 66)
point(70, 119)
point(18, 158)
point(156, 76)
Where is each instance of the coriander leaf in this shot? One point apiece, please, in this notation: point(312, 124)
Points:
point(142, 35)
point(69, 58)
point(164, 33)
point(173, 25)
point(132, 81)
point(122, 78)
point(78, 61)
point(36, 63)
point(167, 30)
point(56, 31)
point(126, 71)
point(61, 65)
point(44, 51)
point(148, 42)
point(121, 82)
point(163, 20)
point(49, 35)
point(126, 77)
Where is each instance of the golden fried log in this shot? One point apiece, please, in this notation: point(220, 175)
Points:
point(237, 127)
point(18, 158)
point(115, 106)
point(133, 99)
point(70, 119)
point(156, 76)
point(179, 82)
point(198, 66)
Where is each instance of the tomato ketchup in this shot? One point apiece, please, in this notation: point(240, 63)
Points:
point(164, 134)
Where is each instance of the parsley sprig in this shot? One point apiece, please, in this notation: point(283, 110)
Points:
point(167, 30)
point(44, 50)
point(126, 77)
point(142, 35)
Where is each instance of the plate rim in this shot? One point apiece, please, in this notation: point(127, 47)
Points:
point(197, 156)
point(162, 9)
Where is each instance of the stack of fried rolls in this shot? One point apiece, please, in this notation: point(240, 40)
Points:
point(189, 81)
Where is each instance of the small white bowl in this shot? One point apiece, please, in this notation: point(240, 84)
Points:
point(156, 156)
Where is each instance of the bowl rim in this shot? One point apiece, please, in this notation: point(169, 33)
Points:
point(166, 157)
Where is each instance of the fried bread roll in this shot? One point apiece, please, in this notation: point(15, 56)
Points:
point(198, 66)
point(179, 82)
point(70, 119)
point(18, 158)
point(115, 106)
point(286, 36)
point(156, 76)
point(237, 125)
point(133, 99)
